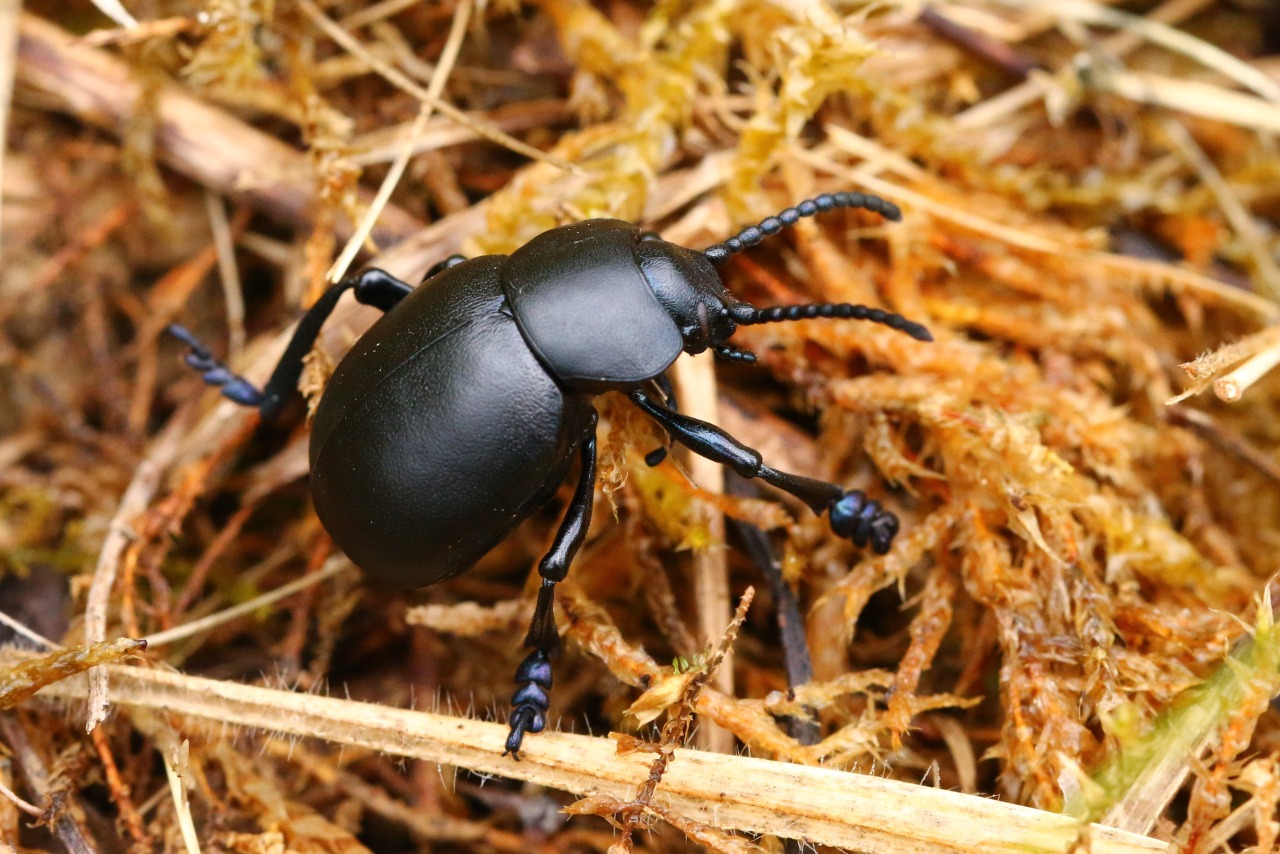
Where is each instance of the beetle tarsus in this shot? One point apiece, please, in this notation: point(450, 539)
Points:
point(530, 701)
point(214, 373)
point(654, 458)
point(863, 520)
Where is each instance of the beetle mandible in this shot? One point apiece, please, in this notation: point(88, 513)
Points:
point(459, 412)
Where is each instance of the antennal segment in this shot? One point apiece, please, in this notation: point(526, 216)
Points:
point(735, 354)
point(753, 234)
point(744, 315)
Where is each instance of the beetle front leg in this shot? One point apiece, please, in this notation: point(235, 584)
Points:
point(850, 512)
point(663, 383)
point(533, 677)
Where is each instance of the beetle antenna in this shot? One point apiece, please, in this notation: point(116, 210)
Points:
point(730, 353)
point(747, 315)
point(751, 235)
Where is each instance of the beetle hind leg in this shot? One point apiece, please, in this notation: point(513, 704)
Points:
point(533, 679)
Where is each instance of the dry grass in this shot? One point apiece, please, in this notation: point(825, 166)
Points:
point(1069, 648)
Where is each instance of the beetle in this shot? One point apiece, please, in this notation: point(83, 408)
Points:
point(459, 412)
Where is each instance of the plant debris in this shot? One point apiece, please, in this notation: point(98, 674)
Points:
point(1074, 630)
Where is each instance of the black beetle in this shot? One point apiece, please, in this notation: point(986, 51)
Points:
point(458, 413)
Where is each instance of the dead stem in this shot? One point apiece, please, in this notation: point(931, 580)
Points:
point(758, 796)
point(121, 532)
point(695, 382)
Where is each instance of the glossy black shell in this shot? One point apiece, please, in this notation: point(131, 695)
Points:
point(456, 415)
point(439, 432)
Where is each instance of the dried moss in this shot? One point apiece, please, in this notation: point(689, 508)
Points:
point(1088, 535)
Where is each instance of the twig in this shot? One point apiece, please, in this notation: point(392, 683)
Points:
point(206, 144)
point(1227, 440)
point(66, 827)
point(332, 567)
point(129, 813)
point(228, 272)
point(676, 730)
point(1232, 386)
point(430, 826)
point(384, 144)
point(376, 12)
point(695, 381)
point(179, 793)
point(996, 52)
point(1158, 33)
point(993, 109)
point(146, 480)
point(116, 12)
point(398, 79)
point(27, 633)
point(9, 10)
point(26, 806)
point(1205, 366)
point(448, 56)
point(1189, 96)
point(821, 805)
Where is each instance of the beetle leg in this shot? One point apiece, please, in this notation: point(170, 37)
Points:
point(533, 676)
point(663, 382)
point(851, 514)
point(377, 288)
point(213, 372)
point(373, 287)
point(440, 266)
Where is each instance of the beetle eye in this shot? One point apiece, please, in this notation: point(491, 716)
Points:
point(650, 235)
point(704, 320)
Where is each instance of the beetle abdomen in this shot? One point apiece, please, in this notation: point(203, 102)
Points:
point(454, 440)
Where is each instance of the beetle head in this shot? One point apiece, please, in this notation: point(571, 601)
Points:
point(690, 289)
point(692, 293)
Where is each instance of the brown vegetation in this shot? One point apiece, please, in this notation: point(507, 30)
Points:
point(1076, 619)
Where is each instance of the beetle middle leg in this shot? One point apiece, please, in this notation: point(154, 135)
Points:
point(533, 677)
point(373, 287)
point(441, 266)
point(850, 512)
